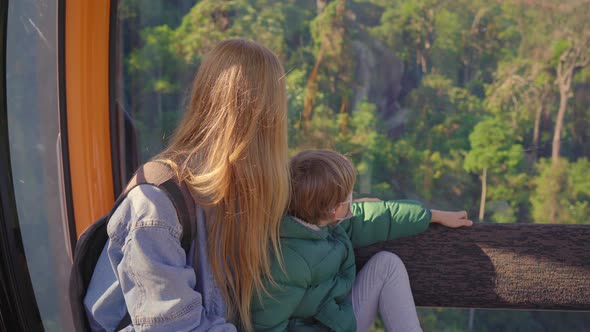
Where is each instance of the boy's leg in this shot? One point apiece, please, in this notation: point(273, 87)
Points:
point(383, 283)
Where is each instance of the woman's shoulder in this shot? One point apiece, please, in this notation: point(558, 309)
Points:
point(145, 206)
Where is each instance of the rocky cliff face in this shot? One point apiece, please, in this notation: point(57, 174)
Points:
point(378, 76)
point(378, 80)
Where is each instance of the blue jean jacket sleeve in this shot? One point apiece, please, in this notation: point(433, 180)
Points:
point(150, 264)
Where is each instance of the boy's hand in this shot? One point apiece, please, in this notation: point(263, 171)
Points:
point(452, 219)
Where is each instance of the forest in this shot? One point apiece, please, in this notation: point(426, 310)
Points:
point(462, 104)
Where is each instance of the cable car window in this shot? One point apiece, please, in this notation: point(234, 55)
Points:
point(34, 137)
point(472, 105)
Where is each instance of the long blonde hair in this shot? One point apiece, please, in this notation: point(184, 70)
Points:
point(231, 149)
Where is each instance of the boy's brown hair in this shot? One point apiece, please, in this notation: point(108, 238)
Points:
point(320, 180)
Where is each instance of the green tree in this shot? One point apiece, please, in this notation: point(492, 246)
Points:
point(333, 67)
point(413, 27)
point(562, 193)
point(157, 69)
point(493, 149)
point(438, 121)
point(572, 55)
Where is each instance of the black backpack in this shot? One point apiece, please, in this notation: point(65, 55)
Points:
point(94, 238)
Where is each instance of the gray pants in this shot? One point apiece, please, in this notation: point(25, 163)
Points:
point(383, 284)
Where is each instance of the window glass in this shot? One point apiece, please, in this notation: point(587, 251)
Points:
point(33, 129)
point(441, 101)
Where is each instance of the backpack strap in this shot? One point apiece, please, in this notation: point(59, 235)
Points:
point(184, 215)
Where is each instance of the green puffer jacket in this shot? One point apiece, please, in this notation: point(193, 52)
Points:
point(320, 267)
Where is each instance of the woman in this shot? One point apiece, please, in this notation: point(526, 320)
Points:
point(230, 149)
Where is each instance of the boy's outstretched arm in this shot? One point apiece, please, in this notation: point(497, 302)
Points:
point(376, 221)
point(451, 219)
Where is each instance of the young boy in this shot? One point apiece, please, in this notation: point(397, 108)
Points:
point(317, 287)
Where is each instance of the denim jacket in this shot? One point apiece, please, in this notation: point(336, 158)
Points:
point(144, 269)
